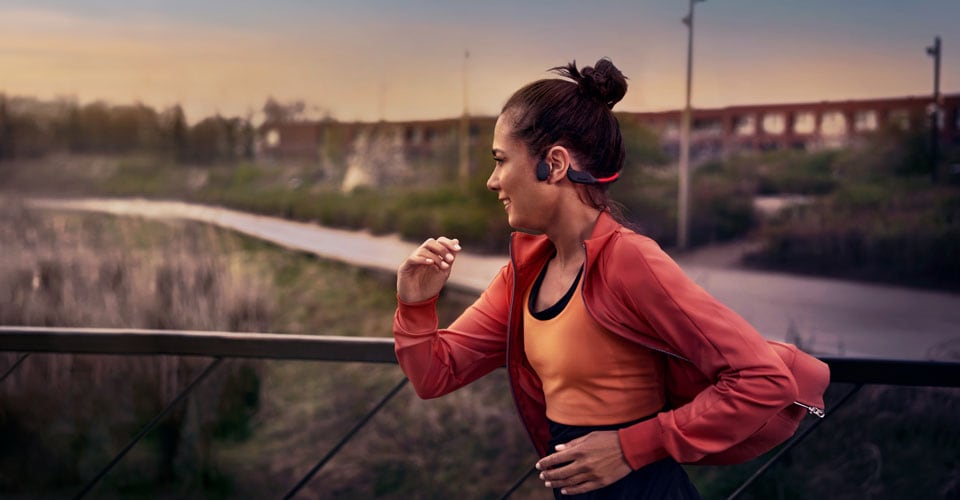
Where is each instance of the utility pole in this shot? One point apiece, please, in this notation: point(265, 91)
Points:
point(381, 100)
point(465, 129)
point(934, 52)
point(683, 196)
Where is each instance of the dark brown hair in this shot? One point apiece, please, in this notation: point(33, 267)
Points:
point(576, 113)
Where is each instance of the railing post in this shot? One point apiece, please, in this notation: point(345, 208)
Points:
point(518, 483)
point(349, 435)
point(793, 442)
point(13, 367)
point(143, 432)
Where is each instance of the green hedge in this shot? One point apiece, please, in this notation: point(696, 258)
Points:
point(887, 233)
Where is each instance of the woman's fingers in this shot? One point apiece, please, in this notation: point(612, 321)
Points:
point(580, 483)
point(444, 249)
point(440, 252)
point(425, 271)
point(584, 464)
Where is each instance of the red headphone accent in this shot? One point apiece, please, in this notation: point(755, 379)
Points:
point(604, 180)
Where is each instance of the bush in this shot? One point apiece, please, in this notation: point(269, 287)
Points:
point(876, 232)
point(722, 209)
point(71, 413)
point(792, 172)
point(721, 205)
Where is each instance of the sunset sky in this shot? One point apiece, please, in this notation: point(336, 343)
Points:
point(399, 60)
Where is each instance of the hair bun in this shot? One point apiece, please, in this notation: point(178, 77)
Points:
point(604, 82)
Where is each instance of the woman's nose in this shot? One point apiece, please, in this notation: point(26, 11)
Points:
point(493, 182)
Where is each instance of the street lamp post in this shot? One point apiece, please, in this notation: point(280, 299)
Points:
point(464, 173)
point(934, 52)
point(683, 196)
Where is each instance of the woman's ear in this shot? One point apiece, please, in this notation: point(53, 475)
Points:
point(559, 159)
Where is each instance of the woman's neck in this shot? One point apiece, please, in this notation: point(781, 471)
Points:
point(569, 233)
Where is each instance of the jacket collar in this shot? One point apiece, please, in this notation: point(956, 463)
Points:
point(603, 230)
point(527, 249)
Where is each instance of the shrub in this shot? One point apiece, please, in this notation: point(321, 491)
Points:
point(71, 413)
point(870, 231)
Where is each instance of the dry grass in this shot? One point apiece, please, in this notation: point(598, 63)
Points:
point(84, 270)
point(71, 413)
point(253, 429)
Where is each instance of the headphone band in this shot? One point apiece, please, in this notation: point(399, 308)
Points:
point(585, 178)
point(543, 171)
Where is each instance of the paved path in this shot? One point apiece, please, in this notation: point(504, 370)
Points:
point(828, 316)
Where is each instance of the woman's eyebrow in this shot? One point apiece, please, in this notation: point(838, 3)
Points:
point(495, 151)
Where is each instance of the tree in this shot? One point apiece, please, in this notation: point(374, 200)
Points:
point(173, 132)
point(6, 148)
point(205, 143)
point(276, 112)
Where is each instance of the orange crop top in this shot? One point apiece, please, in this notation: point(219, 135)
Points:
point(590, 375)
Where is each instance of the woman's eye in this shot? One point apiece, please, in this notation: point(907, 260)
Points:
point(498, 161)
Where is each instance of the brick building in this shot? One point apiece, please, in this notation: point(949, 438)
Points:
point(813, 125)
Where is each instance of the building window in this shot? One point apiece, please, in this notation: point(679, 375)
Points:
point(865, 121)
point(671, 130)
point(804, 122)
point(900, 118)
point(937, 111)
point(774, 123)
point(833, 123)
point(745, 125)
point(708, 127)
point(273, 138)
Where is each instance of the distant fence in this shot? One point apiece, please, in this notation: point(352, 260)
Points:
point(219, 345)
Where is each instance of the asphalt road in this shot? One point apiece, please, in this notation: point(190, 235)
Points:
point(827, 316)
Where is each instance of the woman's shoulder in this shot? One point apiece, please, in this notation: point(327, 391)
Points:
point(632, 254)
point(628, 243)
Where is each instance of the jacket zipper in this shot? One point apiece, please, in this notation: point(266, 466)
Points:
point(813, 410)
point(510, 334)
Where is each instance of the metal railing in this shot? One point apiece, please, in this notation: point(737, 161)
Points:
point(220, 345)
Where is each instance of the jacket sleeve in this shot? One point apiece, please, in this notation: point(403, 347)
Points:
point(438, 361)
point(750, 383)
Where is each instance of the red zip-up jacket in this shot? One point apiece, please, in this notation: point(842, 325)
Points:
point(729, 379)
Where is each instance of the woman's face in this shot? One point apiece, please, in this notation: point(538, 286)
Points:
point(514, 180)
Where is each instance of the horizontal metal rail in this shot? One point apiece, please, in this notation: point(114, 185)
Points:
point(196, 343)
point(375, 350)
point(893, 371)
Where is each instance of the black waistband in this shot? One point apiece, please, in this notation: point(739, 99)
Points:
point(562, 433)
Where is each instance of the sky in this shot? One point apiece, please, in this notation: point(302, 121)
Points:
point(405, 59)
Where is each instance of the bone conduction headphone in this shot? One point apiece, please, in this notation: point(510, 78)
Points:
point(543, 171)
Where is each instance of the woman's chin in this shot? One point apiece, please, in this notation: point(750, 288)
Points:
point(519, 225)
point(515, 223)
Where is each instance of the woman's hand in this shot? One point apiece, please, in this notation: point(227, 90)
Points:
point(422, 275)
point(585, 464)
